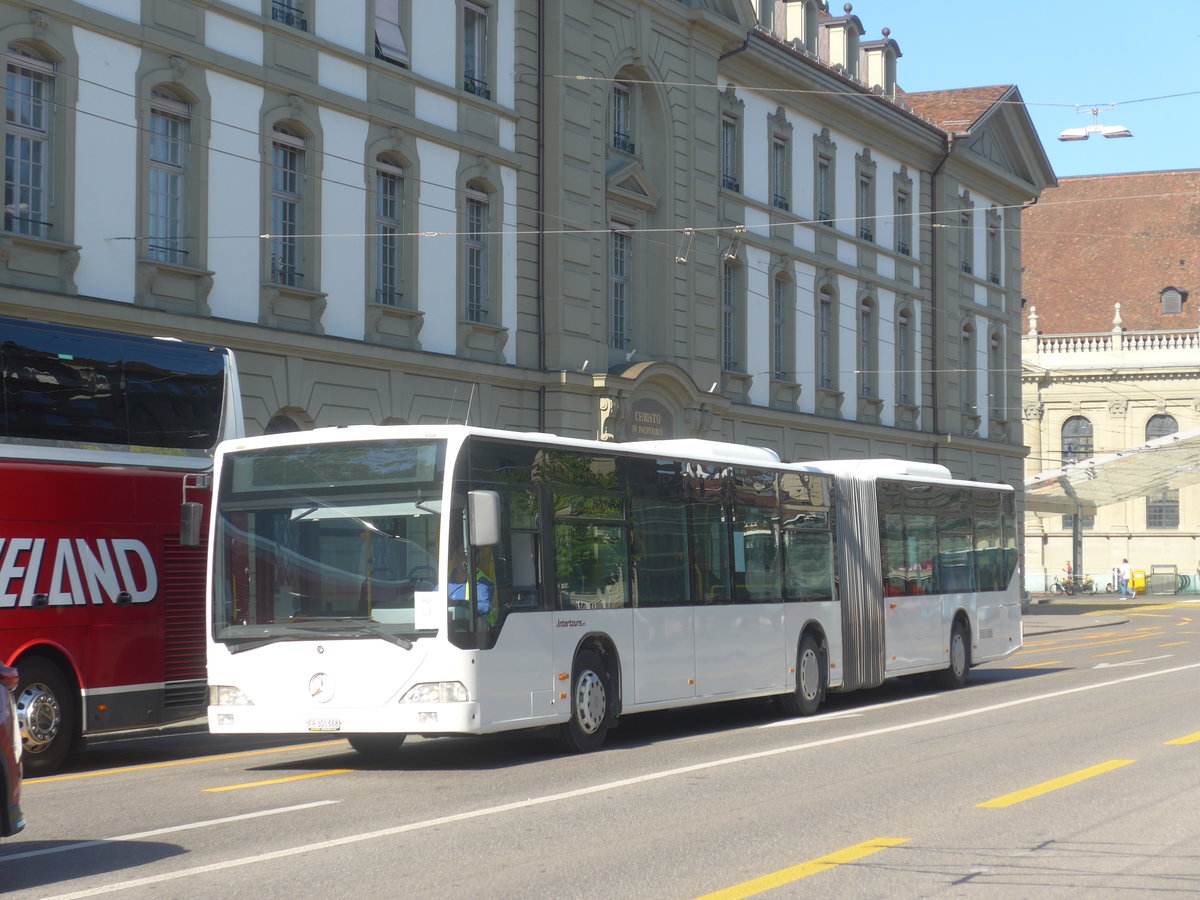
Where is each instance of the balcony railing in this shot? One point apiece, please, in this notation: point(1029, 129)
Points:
point(288, 15)
point(476, 86)
point(38, 228)
point(622, 142)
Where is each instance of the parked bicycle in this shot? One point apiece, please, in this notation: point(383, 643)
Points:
point(1073, 586)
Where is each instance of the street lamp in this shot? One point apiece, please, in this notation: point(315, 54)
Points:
point(1108, 131)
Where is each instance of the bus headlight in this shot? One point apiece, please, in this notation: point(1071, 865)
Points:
point(436, 692)
point(227, 695)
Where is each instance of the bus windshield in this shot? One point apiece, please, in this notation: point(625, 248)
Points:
point(66, 386)
point(330, 540)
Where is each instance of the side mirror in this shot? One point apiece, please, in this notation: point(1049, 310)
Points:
point(483, 511)
point(191, 517)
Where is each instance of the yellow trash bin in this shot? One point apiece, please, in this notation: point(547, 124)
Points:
point(1137, 581)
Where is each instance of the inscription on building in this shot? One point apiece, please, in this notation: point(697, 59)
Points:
point(649, 420)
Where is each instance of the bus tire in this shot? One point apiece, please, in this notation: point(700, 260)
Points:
point(954, 675)
point(45, 715)
point(806, 698)
point(591, 705)
point(376, 746)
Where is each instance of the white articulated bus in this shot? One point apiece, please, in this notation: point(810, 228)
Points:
point(377, 582)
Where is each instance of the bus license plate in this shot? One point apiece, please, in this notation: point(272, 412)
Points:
point(324, 724)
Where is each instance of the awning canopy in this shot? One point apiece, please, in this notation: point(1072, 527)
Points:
point(1167, 462)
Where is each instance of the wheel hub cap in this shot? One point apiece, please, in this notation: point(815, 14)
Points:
point(39, 716)
point(810, 676)
point(591, 701)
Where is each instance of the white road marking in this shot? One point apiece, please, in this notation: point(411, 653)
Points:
point(594, 789)
point(1132, 662)
point(845, 714)
point(158, 832)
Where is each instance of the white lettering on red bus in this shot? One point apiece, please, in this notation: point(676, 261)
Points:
point(80, 570)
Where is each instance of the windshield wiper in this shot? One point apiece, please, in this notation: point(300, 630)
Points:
point(309, 627)
point(238, 645)
point(362, 626)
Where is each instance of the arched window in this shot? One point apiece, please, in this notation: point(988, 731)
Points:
point(1162, 505)
point(905, 359)
point(997, 370)
point(620, 253)
point(1160, 426)
point(170, 140)
point(826, 340)
point(28, 158)
point(970, 391)
point(476, 242)
point(288, 162)
point(1077, 439)
point(389, 231)
point(732, 313)
point(621, 113)
point(868, 378)
point(783, 351)
point(1077, 445)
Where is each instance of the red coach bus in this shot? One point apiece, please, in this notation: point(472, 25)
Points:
point(106, 447)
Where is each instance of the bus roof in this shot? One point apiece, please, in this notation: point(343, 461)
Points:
point(682, 448)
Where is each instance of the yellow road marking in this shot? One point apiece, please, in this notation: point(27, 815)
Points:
point(1111, 653)
point(238, 787)
point(795, 873)
point(1174, 644)
point(178, 762)
point(1054, 784)
point(1038, 665)
point(1187, 739)
point(1063, 645)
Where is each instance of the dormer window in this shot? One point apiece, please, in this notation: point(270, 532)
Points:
point(879, 63)
point(842, 34)
point(1172, 301)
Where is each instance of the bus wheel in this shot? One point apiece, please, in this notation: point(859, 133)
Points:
point(590, 705)
point(45, 714)
point(376, 746)
point(955, 675)
point(810, 681)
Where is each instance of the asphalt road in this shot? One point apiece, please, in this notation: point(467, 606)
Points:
point(1070, 770)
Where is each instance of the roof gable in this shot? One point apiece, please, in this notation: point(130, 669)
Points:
point(993, 124)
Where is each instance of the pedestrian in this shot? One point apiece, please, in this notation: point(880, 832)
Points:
point(1124, 577)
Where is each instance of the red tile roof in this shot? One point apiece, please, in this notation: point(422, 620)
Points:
point(956, 110)
point(1098, 240)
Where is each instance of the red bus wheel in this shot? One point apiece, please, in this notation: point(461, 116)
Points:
point(45, 714)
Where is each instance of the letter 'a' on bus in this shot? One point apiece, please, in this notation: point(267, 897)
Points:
point(377, 582)
point(106, 448)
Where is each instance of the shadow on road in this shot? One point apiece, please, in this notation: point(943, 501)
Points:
point(37, 863)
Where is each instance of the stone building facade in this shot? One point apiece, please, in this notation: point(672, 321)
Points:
point(1111, 360)
point(599, 218)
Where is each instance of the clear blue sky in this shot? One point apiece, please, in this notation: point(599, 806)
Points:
point(1063, 53)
